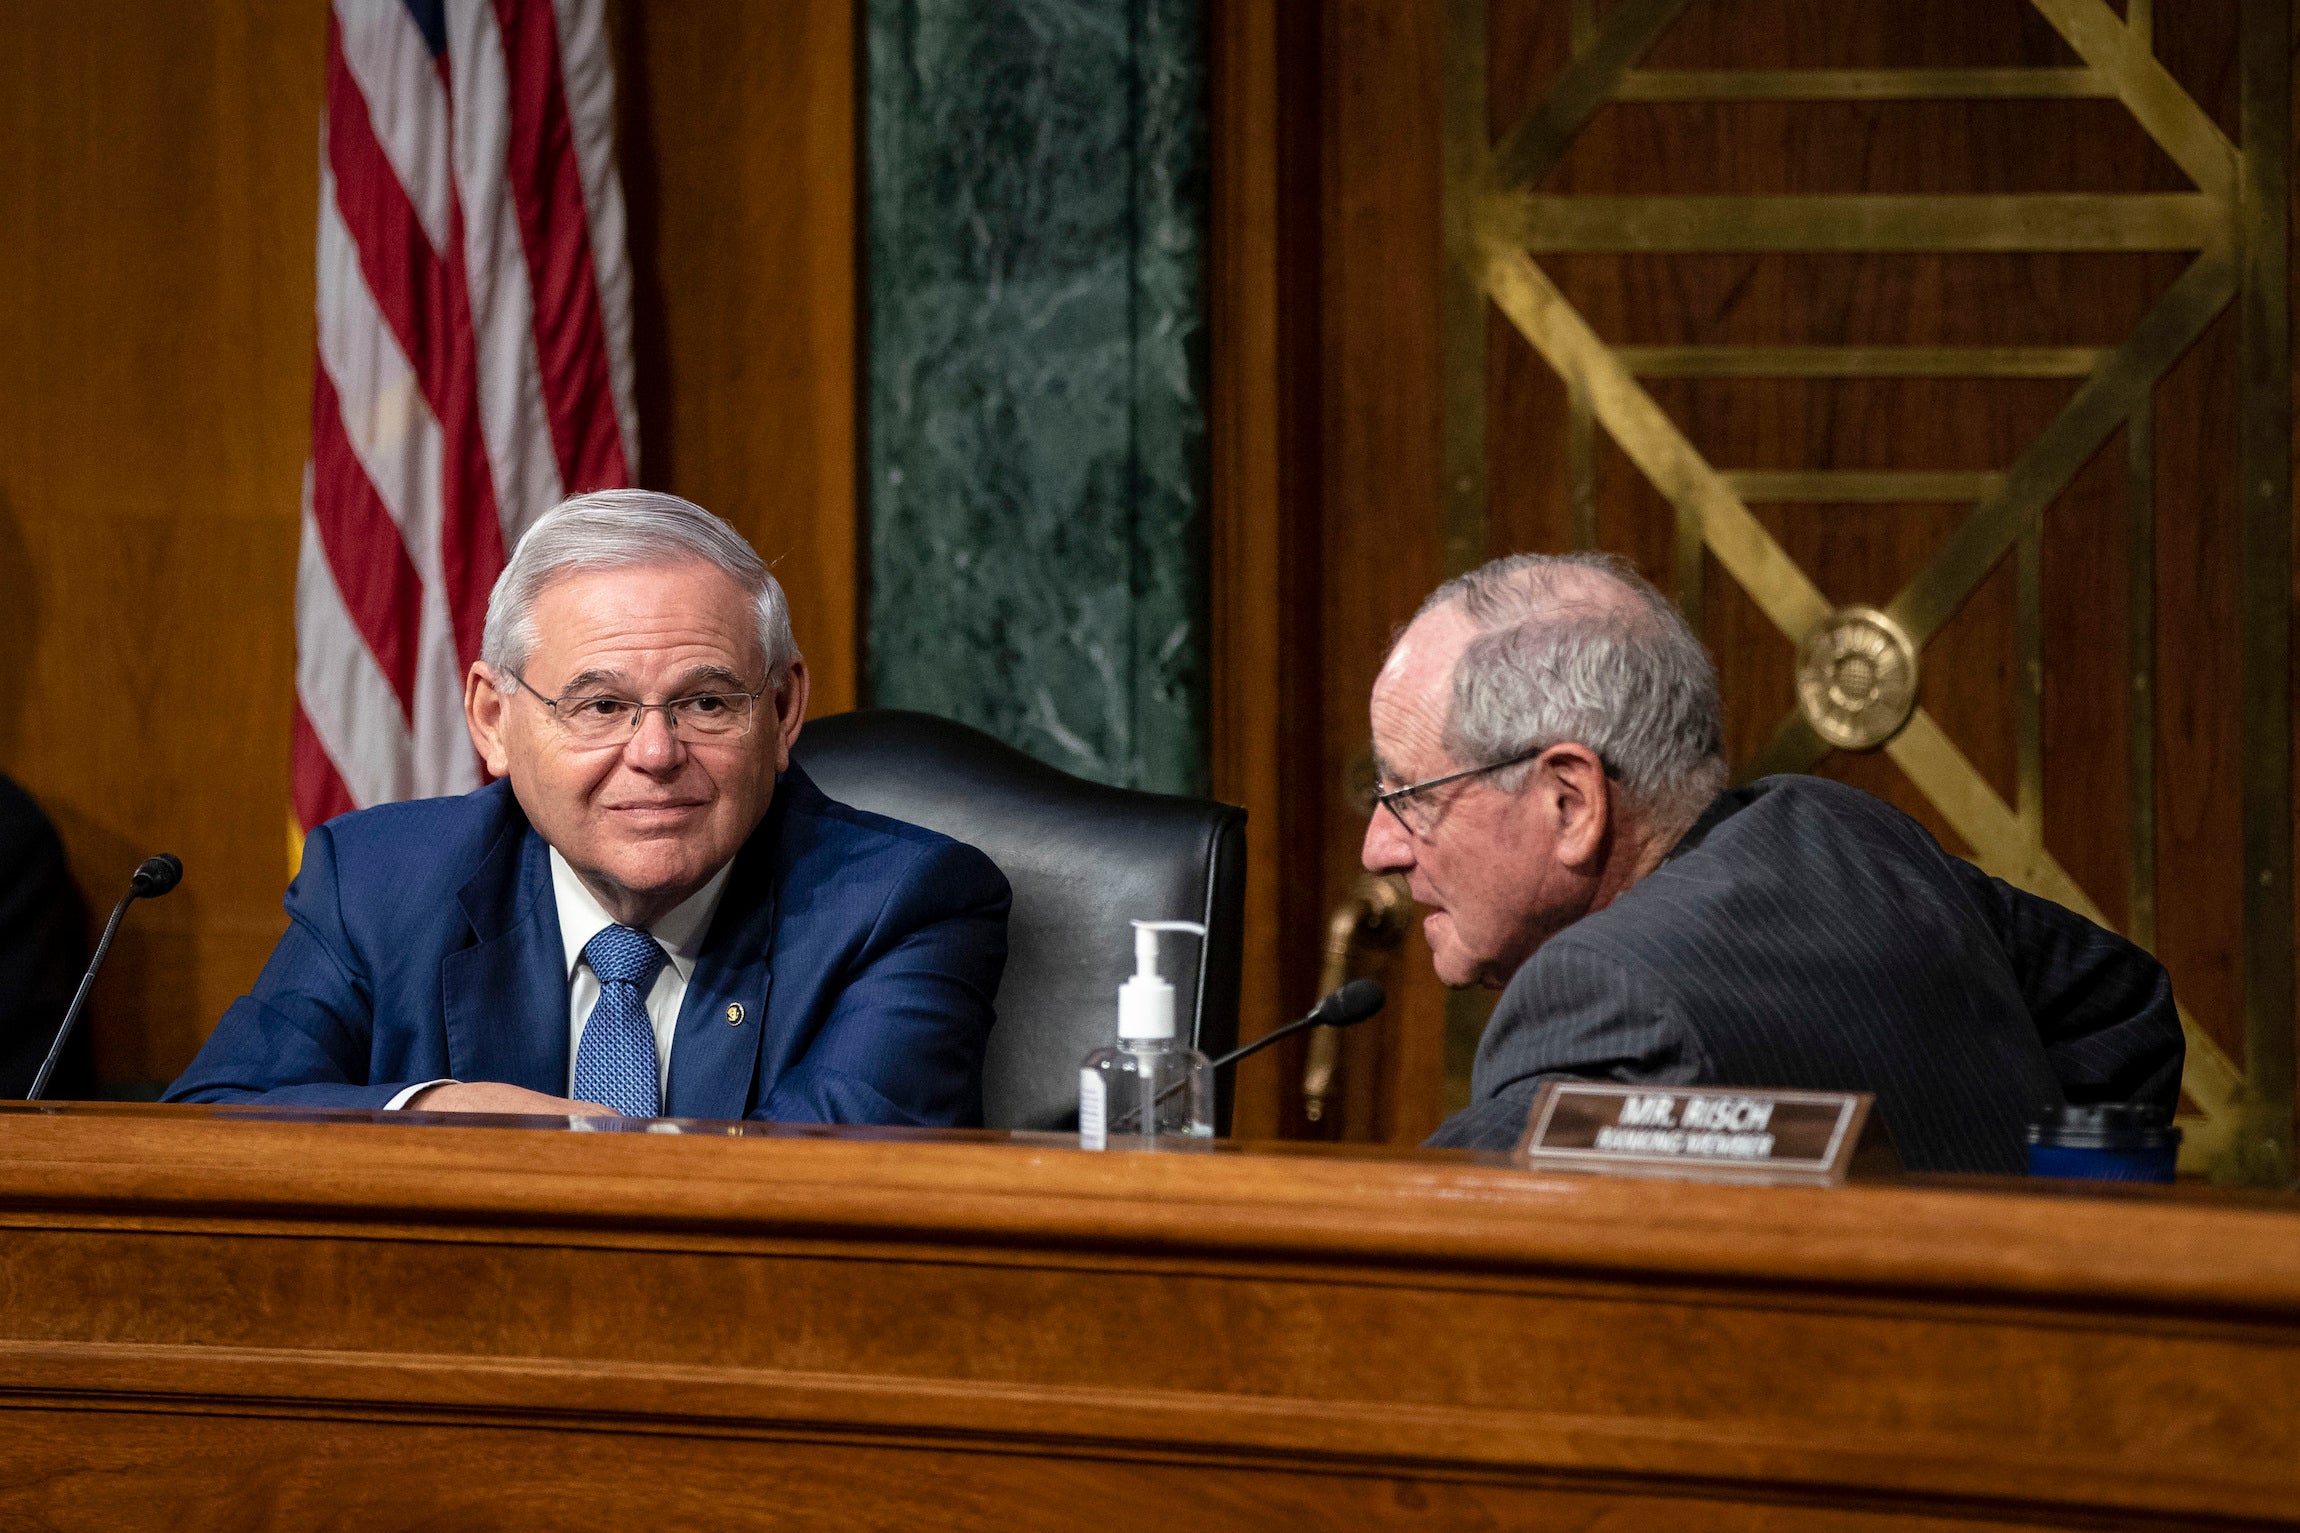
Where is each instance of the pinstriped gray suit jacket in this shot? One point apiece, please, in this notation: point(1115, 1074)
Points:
point(1806, 934)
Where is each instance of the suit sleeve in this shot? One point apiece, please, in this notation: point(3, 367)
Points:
point(2102, 1005)
point(302, 1036)
point(1571, 1013)
point(904, 1041)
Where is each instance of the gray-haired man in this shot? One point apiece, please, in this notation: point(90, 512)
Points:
point(652, 909)
point(1548, 740)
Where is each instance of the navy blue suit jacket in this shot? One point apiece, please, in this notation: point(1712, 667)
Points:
point(423, 942)
point(1806, 934)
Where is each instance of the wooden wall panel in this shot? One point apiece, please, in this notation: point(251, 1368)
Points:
point(2199, 835)
point(513, 1327)
point(1380, 510)
point(1864, 553)
point(1378, 518)
point(1247, 510)
point(1264, 322)
point(158, 187)
point(739, 161)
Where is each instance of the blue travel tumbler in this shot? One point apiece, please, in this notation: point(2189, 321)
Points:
point(2106, 1142)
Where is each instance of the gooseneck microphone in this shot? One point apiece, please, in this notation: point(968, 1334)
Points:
point(155, 876)
point(1346, 1007)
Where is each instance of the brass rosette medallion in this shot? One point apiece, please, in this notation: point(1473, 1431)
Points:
point(1857, 678)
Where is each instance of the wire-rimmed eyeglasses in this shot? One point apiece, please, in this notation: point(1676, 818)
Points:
point(1419, 815)
point(601, 718)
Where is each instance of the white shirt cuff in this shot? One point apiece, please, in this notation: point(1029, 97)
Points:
point(397, 1102)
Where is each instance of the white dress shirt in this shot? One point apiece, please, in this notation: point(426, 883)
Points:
point(582, 917)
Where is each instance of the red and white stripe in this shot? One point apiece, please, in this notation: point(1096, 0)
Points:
point(474, 365)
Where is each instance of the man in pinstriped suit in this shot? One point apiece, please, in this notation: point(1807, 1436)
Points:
point(1548, 740)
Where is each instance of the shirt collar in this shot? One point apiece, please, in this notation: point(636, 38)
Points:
point(681, 931)
point(1724, 805)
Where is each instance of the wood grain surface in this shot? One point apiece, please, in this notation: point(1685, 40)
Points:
point(1262, 579)
point(1380, 513)
point(1864, 553)
point(159, 186)
point(251, 1319)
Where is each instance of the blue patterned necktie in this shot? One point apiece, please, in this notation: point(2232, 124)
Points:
point(615, 1063)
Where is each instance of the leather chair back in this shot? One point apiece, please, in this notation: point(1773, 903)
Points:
point(1084, 860)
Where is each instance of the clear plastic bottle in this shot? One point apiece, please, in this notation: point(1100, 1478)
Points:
point(1151, 1086)
point(1115, 1085)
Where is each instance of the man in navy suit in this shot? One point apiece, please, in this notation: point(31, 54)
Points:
point(1547, 731)
point(652, 910)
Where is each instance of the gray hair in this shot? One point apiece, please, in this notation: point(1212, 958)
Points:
point(626, 529)
point(1624, 676)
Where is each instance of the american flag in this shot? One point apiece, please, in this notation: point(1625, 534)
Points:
point(474, 363)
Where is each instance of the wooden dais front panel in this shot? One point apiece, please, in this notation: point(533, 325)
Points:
point(245, 1320)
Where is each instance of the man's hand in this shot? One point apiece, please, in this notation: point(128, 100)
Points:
point(496, 1096)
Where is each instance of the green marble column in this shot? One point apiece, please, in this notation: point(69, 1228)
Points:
point(1037, 417)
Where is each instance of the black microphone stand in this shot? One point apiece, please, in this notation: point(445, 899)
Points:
point(1346, 1007)
point(155, 877)
point(1335, 1010)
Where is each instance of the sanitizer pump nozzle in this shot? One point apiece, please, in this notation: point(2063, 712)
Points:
point(1146, 1002)
point(1149, 1087)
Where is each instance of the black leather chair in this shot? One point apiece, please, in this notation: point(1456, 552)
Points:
point(1084, 860)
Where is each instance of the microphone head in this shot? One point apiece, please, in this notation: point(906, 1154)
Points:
point(155, 876)
point(1352, 1004)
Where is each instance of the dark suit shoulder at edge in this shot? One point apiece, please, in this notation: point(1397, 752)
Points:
point(1792, 787)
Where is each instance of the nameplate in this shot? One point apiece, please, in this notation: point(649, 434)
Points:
point(1710, 1132)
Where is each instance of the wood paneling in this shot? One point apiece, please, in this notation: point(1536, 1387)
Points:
point(1380, 511)
point(518, 1326)
point(1263, 284)
point(739, 161)
point(1865, 553)
point(265, 1472)
point(158, 184)
point(1377, 520)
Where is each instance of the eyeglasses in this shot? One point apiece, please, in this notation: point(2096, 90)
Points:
point(1420, 815)
point(599, 718)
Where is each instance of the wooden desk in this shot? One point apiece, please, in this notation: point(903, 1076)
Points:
point(248, 1320)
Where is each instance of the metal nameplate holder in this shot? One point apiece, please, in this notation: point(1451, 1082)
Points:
point(1724, 1133)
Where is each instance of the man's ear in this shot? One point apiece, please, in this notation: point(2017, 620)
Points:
point(483, 714)
point(790, 701)
point(1574, 788)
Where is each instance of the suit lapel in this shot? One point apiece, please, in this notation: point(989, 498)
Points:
point(505, 997)
point(715, 1051)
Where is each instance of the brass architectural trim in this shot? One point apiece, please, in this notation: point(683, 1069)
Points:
point(1581, 454)
point(1861, 84)
point(1529, 151)
point(2167, 113)
point(1845, 486)
point(1862, 361)
point(1374, 919)
point(1498, 222)
point(1651, 440)
point(2030, 221)
point(2104, 402)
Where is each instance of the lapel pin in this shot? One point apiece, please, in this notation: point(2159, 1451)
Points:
point(734, 1014)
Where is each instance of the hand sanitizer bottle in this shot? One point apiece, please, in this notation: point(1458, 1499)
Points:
point(1150, 1087)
